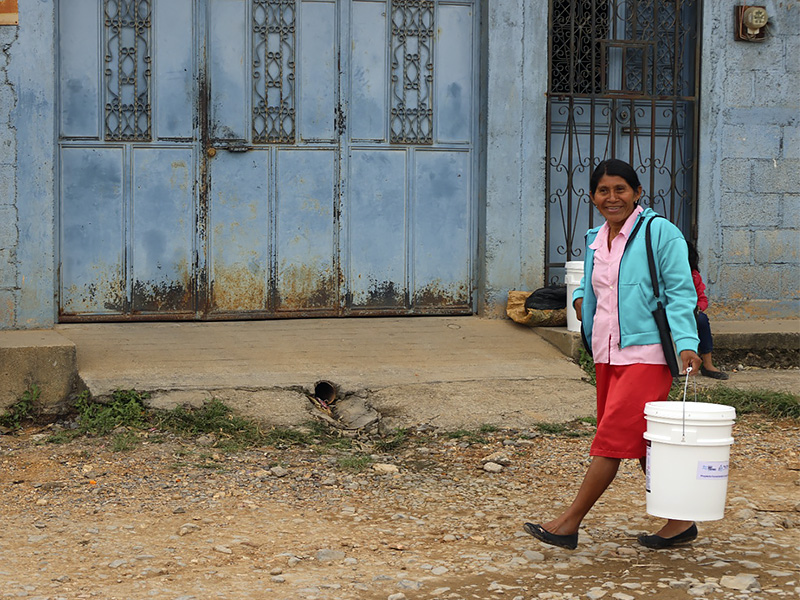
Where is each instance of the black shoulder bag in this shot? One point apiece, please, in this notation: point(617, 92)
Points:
point(660, 313)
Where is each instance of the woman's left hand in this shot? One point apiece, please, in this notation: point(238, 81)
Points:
point(689, 358)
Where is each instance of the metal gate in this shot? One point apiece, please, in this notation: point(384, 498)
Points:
point(265, 158)
point(623, 84)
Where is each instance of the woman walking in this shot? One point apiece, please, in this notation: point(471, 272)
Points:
point(615, 302)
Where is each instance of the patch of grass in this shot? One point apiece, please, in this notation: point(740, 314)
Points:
point(553, 428)
point(398, 438)
point(764, 402)
point(124, 442)
point(22, 410)
point(63, 437)
point(125, 409)
point(287, 436)
point(573, 429)
point(470, 437)
point(354, 462)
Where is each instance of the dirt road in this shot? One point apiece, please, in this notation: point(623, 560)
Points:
point(177, 520)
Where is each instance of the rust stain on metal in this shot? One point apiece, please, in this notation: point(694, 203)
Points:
point(385, 293)
point(202, 287)
point(434, 294)
point(239, 288)
point(171, 296)
point(303, 286)
point(107, 292)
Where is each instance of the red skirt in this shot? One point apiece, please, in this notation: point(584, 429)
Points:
point(622, 392)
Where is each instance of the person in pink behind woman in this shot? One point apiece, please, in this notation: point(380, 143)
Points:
point(703, 326)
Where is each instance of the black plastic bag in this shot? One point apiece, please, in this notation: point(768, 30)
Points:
point(660, 315)
point(551, 297)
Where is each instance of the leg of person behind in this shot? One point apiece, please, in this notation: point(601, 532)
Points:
point(706, 346)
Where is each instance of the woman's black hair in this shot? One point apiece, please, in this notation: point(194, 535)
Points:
point(614, 167)
point(694, 257)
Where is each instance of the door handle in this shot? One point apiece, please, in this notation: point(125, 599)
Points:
point(211, 151)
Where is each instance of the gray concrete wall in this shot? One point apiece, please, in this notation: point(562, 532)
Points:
point(516, 111)
point(27, 168)
point(749, 182)
point(9, 289)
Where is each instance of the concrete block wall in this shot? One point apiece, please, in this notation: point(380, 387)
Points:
point(749, 203)
point(9, 230)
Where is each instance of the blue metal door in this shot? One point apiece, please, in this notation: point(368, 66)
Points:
point(261, 158)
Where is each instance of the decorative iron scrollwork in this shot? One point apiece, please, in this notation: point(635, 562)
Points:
point(623, 84)
point(127, 73)
point(412, 71)
point(274, 71)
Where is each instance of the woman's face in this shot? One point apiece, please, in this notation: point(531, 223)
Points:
point(615, 199)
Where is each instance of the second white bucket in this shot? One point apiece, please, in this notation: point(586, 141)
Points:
point(573, 280)
point(688, 452)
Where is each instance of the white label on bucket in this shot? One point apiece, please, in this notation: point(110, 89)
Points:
point(712, 470)
point(647, 468)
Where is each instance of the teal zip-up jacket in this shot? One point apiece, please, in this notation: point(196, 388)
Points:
point(635, 291)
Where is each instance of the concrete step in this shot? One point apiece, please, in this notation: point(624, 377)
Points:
point(43, 358)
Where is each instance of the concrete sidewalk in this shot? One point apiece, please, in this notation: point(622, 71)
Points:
point(447, 371)
point(450, 372)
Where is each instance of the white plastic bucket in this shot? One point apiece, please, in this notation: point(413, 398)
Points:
point(573, 280)
point(688, 451)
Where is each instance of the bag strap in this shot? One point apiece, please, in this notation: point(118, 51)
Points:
point(650, 259)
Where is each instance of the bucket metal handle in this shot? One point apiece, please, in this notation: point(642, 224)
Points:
point(685, 386)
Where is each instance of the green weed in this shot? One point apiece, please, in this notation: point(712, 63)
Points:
point(355, 462)
point(124, 442)
point(470, 437)
point(398, 438)
point(23, 410)
point(125, 409)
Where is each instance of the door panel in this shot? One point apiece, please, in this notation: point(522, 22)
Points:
point(307, 276)
point(377, 216)
point(453, 100)
point(92, 231)
point(227, 69)
point(239, 227)
point(162, 230)
point(368, 72)
point(173, 69)
point(317, 70)
point(441, 229)
point(79, 64)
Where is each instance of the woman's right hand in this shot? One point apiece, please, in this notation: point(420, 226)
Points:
point(577, 305)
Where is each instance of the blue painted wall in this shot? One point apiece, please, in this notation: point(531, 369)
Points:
point(9, 289)
point(516, 111)
point(749, 175)
point(27, 222)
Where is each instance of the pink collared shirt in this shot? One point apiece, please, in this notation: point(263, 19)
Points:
point(605, 278)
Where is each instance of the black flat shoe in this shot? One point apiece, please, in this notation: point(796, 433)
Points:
point(570, 542)
point(658, 542)
point(713, 374)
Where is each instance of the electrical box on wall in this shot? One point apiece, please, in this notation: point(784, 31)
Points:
point(9, 12)
point(750, 23)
